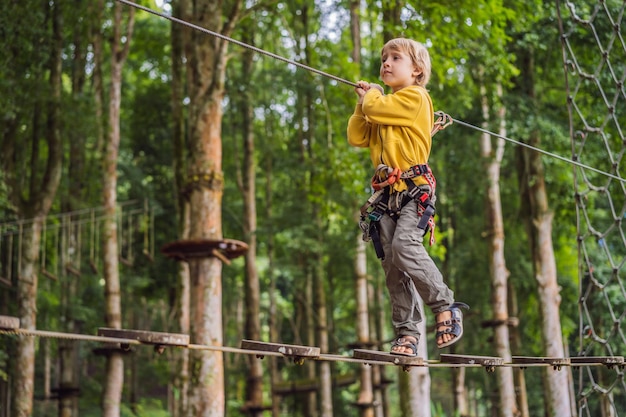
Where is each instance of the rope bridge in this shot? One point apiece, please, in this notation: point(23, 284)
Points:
point(121, 340)
point(594, 56)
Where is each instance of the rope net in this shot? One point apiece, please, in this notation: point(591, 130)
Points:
point(594, 53)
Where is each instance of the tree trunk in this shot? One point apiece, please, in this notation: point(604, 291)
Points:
point(366, 391)
point(325, 374)
point(206, 69)
point(36, 206)
point(180, 43)
point(544, 267)
point(254, 389)
point(366, 388)
point(538, 218)
point(273, 313)
point(112, 393)
point(492, 160)
point(27, 296)
point(415, 385)
point(69, 360)
point(379, 320)
point(516, 346)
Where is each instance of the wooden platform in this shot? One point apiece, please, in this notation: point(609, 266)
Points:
point(378, 356)
point(158, 339)
point(223, 249)
point(489, 362)
point(9, 323)
point(299, 353)
point(525, 361)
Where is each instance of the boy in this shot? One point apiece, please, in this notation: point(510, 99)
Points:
point(397, 129)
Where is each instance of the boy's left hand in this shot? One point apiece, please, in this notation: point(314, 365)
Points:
point(378, 87)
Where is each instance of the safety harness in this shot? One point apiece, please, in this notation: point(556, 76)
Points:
point(384, 202)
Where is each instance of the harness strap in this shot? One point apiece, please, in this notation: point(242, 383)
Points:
point(385, 176)
point(425, 209)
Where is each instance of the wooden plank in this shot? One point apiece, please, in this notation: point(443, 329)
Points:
point(472, 360)
point(9, 323)
point(604, 360)
point(379, 356)
point(287, 350)
point(154, 338)
point(532, 360)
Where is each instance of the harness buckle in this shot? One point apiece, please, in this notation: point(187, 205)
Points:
point(375, 215)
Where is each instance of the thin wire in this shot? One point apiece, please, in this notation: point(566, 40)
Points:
point(553, 155)
point(344, 81)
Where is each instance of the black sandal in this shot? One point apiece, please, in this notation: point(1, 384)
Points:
point(405, 342)
point(454, 325)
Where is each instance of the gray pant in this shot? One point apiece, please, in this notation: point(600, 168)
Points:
point(409, 271)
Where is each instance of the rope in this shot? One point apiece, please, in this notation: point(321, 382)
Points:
point(260, 353)
point(236, 42)
point(553, 155)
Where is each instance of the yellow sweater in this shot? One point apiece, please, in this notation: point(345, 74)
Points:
point(396, 127)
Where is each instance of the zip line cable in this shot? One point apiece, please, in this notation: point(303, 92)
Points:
point(352, 84)
point(236, 42)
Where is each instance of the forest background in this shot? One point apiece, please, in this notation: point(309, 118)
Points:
point(100, 114)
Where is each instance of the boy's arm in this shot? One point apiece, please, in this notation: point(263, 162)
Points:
point(359, 128)
point(398, 109)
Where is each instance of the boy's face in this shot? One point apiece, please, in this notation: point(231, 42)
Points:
point(397, 70)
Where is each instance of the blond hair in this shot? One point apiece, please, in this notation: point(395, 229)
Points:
point(417, 52)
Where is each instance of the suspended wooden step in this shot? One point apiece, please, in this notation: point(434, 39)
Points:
point(223, 249)
point(526, 361)
point(158, 339)
point(9, 323)
point(297, 352)
point(489, 362)
point(608, 361)
point(378, 356)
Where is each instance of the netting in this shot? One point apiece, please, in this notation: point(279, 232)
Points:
point(594, 53)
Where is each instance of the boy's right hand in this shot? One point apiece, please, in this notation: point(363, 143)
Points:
point(362, 88)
